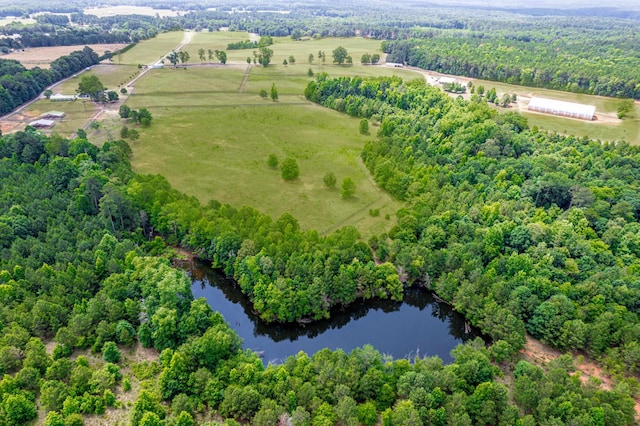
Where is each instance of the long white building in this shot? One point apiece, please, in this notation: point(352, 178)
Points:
point(565, 109)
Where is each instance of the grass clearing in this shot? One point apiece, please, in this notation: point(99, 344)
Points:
point(148, 52)
point(77, 114)
point(110, 75)
point(212, 133)
point(216, 41)
point(628, 129)
point(212, 142)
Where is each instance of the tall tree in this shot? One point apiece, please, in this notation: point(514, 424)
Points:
point(92, 86)
point(340, 55)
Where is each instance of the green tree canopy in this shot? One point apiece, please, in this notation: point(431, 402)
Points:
point(92, 86)
point(289, 169)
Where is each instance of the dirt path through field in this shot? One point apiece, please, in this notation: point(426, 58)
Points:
point(245, 80)
point(537, 352)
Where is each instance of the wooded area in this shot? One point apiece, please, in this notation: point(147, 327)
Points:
point(67, 277)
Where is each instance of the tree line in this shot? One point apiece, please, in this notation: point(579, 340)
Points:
point(589, 66)
point(19, 85)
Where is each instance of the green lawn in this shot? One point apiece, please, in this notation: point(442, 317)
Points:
point(213, 142)
point(148, 52)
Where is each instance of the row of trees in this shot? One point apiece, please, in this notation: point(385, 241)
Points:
point(19, 85)
point(220, 55)
point(560, 64)
point(519, 229)
point(248, 44)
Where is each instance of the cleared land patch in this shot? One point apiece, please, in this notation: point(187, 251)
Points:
point(607, 127)
point(77, 113)
point(43, 56)
point(213, 142)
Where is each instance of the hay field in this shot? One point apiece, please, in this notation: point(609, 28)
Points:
point(43, 56)
point(212, 141)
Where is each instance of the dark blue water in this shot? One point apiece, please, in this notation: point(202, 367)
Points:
point(420, 325)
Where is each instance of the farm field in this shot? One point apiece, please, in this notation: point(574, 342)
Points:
point(212, 142)
point(43, 56)
point(147, 52)
point(6, 21)
point(110, 75)
point(282, 47)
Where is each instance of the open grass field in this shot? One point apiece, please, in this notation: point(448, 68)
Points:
point(282, 47)
point(7, 21)
point(216, 41)
point(110, 75)
point(628, 129)
point(43, 56)
point(213, 142)
point(148, 52)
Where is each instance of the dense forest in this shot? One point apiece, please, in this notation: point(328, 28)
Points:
point(82, 286)
point(582, 64)
point(519, 229)
point(19, 85)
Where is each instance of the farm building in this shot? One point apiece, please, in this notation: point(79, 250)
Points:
point(42, 124)
point(447, 80)
point(61, 98)
point(53, 115)
point(565, 109)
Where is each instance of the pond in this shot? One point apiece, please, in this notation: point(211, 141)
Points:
point(420, 325)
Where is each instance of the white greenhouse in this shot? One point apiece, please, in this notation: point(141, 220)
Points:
point(565, 109)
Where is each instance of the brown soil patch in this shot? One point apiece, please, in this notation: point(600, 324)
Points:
point(42, 56)
point(16, 122)
point(539, 353)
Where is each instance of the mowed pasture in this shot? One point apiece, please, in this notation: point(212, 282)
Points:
point(282, 47)
point(148, 52)
point(111, 76)
point(213, 142)
point(43, 56)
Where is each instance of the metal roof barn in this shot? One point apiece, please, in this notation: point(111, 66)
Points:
point(565, 109)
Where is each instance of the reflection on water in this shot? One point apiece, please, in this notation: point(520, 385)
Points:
point(418, 325)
